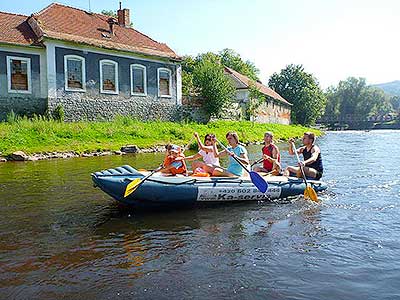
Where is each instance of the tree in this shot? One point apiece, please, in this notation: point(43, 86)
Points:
point(215, 88)
point(188, 64)
point(395, 101)
point(233, 60)
point(204, 75)
point(353, 100)
point(256, 99)
point(302, 90)
point(112, 14)
point(332, 108)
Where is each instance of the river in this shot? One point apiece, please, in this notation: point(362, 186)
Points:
point(60, 238)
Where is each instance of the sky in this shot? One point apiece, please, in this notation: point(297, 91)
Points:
point(332, 39)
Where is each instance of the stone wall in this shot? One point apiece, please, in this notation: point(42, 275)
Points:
point(78, 107)
point(22, 106)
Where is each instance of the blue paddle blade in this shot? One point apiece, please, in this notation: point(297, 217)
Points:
point(259, 182)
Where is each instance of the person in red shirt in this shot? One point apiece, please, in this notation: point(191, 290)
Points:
point(174, 162)
point(271, 156)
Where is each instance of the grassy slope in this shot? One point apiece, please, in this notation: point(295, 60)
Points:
point(47, 136)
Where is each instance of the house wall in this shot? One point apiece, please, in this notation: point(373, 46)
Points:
point(92, 104)
point(22, 103)
point(273, 112)
point(242, 95)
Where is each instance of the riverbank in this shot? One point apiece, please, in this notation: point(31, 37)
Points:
point(43, 139)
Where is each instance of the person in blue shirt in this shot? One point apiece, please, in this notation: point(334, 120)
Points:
point(234, 149)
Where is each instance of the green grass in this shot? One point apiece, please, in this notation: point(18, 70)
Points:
point(40, 135)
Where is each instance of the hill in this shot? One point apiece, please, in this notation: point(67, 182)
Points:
point(391, 88)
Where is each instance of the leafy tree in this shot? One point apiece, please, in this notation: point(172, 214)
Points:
point(256, 99)
point(374, 101)
point(350, 94)
point(353, 100)
point(233, 60)
point(302, 90)
point(215, 88)
point(217, 92)
point(395, 101)
point(332, 108)
point(110, 13)
point(188, 64)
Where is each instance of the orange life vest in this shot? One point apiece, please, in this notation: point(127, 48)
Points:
point(178, 161)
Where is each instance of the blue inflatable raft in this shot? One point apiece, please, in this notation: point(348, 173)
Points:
point(179, 191)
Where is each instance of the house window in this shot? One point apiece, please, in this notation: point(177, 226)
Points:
point(164, 82)
point(108, 77)
point(19, 74)
point(75, 74)
point(138, 80)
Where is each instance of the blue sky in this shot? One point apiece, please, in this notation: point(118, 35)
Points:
point(333, 39)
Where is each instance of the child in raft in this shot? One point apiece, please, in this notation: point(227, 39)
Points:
point(174, 162)
point(271, 156)
point(210, 161)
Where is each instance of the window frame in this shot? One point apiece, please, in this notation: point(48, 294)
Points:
point(102, 91)
point(170, 82)
point(133, 93)
point(28, 71)
point(83, 61)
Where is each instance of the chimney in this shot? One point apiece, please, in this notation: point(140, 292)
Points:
point(123, 16)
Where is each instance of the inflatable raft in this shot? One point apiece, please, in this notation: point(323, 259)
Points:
point(179, 191)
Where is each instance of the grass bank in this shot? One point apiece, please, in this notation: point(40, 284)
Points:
point(39, 135)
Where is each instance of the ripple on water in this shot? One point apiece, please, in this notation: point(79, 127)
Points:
point(62, 238)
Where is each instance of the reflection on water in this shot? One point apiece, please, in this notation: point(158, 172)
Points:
point(61, 238)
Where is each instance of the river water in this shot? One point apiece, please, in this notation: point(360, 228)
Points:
point(62, 239)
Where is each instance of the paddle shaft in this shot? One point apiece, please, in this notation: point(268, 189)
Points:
point(298, 160)
point(234, 157)
point(257, 161)
point(187, 146)
point(152, 172)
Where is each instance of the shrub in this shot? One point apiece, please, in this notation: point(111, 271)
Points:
point(12, 117)
point(59, 113)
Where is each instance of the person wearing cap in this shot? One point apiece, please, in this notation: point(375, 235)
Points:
point(174, 162)
point(271, 156)
point(210, 161)
point(312, 164)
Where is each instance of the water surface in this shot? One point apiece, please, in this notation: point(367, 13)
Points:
point(61, 238)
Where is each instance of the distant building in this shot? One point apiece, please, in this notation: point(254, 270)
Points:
point(93, 65)
point(275, 109)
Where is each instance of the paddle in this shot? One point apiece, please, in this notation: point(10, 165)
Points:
point(257, 161)
point(256, 178)
point(309, 192)
point(134, 184)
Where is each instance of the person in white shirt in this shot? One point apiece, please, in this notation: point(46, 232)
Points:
point(206, 151)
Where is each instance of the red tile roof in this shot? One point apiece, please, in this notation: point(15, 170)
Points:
point(16, 30)
point(71, 24)
point(262, 88)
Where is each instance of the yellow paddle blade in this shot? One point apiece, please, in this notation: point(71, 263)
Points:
point(309, 193)
point(131, 187)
